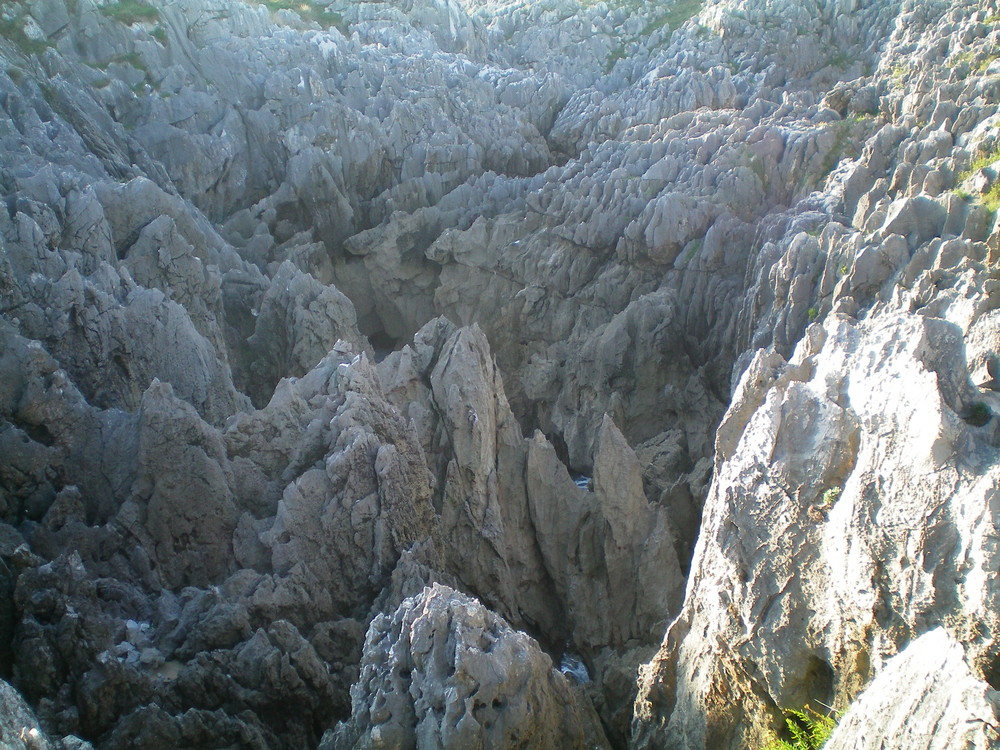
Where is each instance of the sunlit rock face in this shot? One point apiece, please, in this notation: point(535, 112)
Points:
point(359, 362)
point(444, 671)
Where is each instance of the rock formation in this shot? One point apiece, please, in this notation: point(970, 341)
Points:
point(359, 362)
point(444, 671)
point(946, 705)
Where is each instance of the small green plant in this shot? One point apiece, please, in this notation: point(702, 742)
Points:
point(692, 250)
point(899, 73)
point(848, 134)
point(807, 730)
point(843, 269)
point(966, 56)
point(985, 159)
point(132, 58)
point(983, 64)
point(680, 12)
point(813, 313)
point(829, 497)
point(160, 35)
point(613, 58)
point(839, 60)
point(130, 12)
point(978, 414)
point(990, 198)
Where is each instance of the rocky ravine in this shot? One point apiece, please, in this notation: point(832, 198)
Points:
point(361, 361)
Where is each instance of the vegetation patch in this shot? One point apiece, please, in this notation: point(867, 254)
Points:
point(981, 66)
point(985, 159)
point(132, 58)
point(130, 12)
point(899, 75)
point(692, 249)
point(13, 31)
point(977, 64)
point(978, 414)
point(806, 730)
point(840, 60)
point(829, 497)
point(679, 12)
point(847, 136)
point(990, 198)
point(962, 57)
point(325, 17)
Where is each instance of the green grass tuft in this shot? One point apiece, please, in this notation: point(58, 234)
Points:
point(984, 159)
point(899, 75)
point(325, 17)
point(983, 64)
point(680, 12)
point(13, 30)
point(991, 198)
point(130, 12)
point(978, 414)
point(807, 730)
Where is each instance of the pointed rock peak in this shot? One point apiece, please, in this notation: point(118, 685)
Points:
point(616, 467)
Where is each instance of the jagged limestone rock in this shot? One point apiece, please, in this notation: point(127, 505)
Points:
point(840, 493)
point(926, 697)
point(444, 671)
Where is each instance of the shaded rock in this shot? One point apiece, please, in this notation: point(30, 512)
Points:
point(298, 323)
point(594, 544)
point(348, 512)
point(182, 502)
point(275, 674)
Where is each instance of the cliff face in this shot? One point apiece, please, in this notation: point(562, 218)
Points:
point(658, 329)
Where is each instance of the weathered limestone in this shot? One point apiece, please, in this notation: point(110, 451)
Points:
point(443, 671)
point(926, 697)
point(307, 313)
